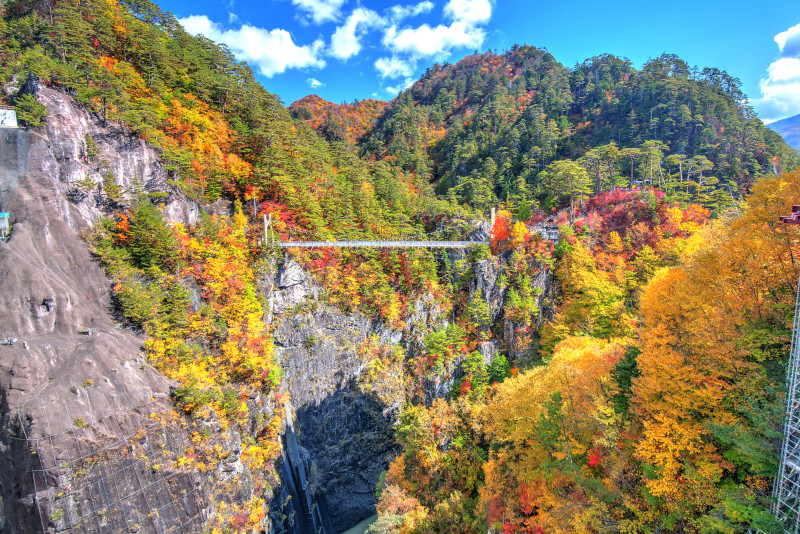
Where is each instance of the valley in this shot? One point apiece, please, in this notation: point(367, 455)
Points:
point(574, 312)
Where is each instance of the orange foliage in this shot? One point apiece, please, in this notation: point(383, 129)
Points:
point(122, 227)
point(550, 423)
point(500, 234)
point(695, 363)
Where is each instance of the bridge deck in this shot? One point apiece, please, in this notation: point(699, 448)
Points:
point(381, 244)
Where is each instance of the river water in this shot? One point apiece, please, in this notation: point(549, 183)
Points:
point(362, 527)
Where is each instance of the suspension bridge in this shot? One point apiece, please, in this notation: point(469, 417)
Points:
point(547, 231)
point(381, 244)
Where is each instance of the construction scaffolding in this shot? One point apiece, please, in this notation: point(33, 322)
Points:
point(786, 489)
point(129, 472)
point(8, 117)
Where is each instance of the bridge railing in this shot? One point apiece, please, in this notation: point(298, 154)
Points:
point(380, 244)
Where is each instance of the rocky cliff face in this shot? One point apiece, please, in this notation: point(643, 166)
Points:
point(345, 432)
point(76, 395)
point(344, 418)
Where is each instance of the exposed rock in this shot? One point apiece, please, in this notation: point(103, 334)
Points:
point(84, 388)
point(482, 233)
point(59, 390)
point(485, 283)
point(132, 162)
point(31, 86)
point(300, 505)
point(489, 350)
point(346, 434)
point(294, 287)
point(439, 386)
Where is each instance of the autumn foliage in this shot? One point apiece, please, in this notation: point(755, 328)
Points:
point(193, 292)
point(656, 405)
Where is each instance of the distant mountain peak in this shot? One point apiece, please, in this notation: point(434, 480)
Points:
point(789, 128)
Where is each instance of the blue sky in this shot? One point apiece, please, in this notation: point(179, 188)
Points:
point(344, 50)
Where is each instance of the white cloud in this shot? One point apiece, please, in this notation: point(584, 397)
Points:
point(399, 13)
point(789, 42)
point(780, 90)
point(232, 17)
point(393, 91)
point(394, 67)
point(469, 11)
point(314, 83)
point(272, 51)
point(784, 70)
point(346, 40)
point(426, 41)
point(320, 11)
point(410, 44)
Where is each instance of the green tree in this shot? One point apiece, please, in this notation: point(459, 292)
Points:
point(30, 111)
point(600, 163)
point(697, 165)
point(480, 315)
point(609, 154)
point(499, 369)
point(112, 191)
point(652, 155)
point(152, 243)
point(566, 177)
point(677, 160)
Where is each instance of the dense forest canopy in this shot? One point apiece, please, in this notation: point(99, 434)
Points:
point(345, 122)
point(220, 133)
point(485, 128)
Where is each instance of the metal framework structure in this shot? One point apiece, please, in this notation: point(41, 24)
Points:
point(786, 489)
point(8, 117)
point(4, 225)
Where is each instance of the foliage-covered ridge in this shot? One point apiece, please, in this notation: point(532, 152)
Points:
point(487, 127)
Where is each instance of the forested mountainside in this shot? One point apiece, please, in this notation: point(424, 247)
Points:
point(628, 378)
point(789, 129)
point(485, 128)
point(335, 122)
point(218, 130)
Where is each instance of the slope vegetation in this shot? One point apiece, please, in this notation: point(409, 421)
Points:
point(345, 122)
point(485, 128)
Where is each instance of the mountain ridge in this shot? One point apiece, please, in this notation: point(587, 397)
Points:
point(485, 127)
point(338, 122)
point(789, 129)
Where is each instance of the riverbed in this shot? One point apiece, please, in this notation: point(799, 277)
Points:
point(361, 527)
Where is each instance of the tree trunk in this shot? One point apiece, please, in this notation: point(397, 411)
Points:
point(631, 173)
point(571, 209)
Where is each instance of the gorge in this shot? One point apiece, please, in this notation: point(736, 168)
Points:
point(613, 360)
